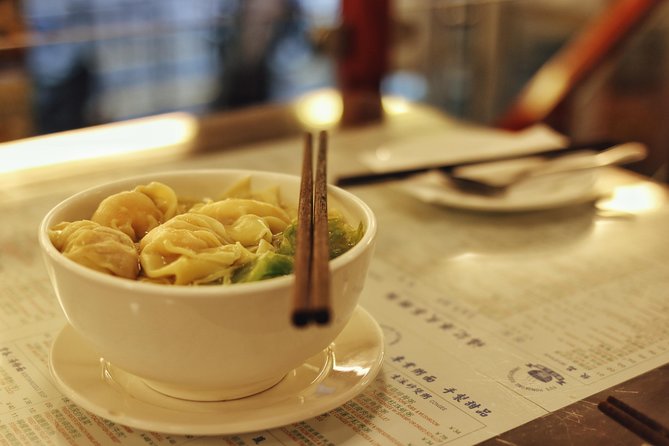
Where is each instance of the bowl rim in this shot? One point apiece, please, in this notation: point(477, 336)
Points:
point(369, 221)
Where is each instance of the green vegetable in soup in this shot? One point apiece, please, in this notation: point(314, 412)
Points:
point(341, 236)
point(266, 266)
point(287, 241)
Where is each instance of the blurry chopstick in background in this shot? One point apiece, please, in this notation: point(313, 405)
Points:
point(312, 275)
point(358, 179)
point(637, 422)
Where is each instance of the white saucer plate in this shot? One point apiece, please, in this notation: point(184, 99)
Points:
point(541, 193)
point(324, 382)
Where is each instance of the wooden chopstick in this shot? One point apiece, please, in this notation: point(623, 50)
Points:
point(311, 301)
point(304, 240)
point(635, 421)
point(320, 269)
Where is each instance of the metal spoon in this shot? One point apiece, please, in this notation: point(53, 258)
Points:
point(478, 179)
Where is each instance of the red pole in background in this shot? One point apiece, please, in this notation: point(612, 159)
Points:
point(567, 69)
point(361, 67)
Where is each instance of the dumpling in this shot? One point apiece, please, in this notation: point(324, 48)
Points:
point(131, 212)
point(162, 196)
point(242, 189)
point(138, 211)
point(229, 210)
point(192, 249)
point(98, 247)
point(195, 230)
point(250, 230)
point(213, 265)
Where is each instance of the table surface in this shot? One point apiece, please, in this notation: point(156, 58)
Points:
point(514, 277)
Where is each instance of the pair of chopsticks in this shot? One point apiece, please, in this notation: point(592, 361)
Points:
point(311, 302)
point(637, 422)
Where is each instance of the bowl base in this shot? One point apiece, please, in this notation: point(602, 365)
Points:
point(218, 394)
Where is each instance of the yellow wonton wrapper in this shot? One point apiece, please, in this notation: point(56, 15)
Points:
point(98, 247)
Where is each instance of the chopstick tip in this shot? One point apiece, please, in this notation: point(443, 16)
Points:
point(321, 316)
point(300, 319)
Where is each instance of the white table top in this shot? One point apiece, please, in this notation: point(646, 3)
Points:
point(474, 299)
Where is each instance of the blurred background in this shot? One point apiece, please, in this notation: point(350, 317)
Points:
point(67, 64)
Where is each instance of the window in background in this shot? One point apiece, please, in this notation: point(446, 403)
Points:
point(106, 60)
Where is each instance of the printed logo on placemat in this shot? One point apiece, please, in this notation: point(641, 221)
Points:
point(535, 378)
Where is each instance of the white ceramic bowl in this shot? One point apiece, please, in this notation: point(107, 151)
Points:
point(207, 342)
